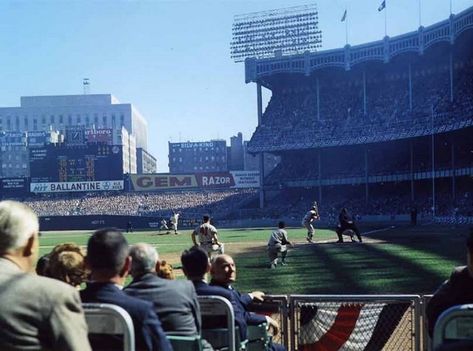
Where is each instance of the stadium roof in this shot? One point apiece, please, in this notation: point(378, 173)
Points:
point(385, 50)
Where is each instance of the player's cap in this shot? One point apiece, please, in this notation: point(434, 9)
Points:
point(281, 224)
point(206, 217)
point(313, 208)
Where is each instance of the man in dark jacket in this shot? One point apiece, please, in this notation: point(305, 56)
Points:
point(175, 301)
point(457, 290)
point(223, 273)
point(195, 264)
point(109, 262)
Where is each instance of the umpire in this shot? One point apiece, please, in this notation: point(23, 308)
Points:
point(346, 222)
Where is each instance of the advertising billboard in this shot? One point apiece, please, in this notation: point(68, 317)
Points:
point(61, 187)
point(103, 136)
point(217, 180)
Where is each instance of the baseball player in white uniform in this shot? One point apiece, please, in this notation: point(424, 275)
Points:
point(205, 236)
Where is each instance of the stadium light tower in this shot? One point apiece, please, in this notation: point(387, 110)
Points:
point(287, 31)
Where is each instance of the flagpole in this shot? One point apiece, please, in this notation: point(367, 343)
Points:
point(450, 6)
point(346, 26)
point(385, 19)
point(420, 13)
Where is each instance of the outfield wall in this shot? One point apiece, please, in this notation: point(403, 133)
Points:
point(93, 222)
point(96, 222)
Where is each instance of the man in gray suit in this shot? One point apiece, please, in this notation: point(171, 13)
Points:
point(35, 312)
point(175, 301)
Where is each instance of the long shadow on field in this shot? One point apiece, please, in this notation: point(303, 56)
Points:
point(328, 268)
point(443, 241)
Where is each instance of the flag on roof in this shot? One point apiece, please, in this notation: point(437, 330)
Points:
point(344, 17)
point(382, 6)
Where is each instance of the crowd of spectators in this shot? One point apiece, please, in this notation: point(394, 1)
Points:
point(389, 199)
point(217, 202)
point(342, 114)
point(383, 200)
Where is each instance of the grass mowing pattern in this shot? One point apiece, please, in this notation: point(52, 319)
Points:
point(402, 260)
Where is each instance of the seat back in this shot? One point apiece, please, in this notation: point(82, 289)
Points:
point(217, 308)
point(185, 343)
point(454, 326)
point(258, 338)
point(110, 327)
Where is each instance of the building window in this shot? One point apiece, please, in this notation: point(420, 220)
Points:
point(51, 119)
point(17, 123)
point(43, 120)
point(96, 118)
point(104, 121)
point(78, 120)
point(69, 119)
point(87, 120)
point(61, 119)
point(122, 120)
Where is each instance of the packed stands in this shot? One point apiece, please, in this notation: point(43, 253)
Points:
point(291, 121)
point(139, 204)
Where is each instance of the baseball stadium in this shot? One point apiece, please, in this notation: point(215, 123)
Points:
point(383, 129)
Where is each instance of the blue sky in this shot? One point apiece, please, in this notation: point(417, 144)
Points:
point(171, 59)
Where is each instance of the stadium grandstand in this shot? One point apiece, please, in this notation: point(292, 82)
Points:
point(381, 127)
point(139, 204)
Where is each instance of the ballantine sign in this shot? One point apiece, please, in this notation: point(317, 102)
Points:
point(105, 185)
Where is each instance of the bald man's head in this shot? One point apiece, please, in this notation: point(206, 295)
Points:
point(223, 269)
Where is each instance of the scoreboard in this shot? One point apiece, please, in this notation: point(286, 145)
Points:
point(90, 162)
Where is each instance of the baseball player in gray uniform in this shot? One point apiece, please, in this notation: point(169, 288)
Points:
point(277, 243)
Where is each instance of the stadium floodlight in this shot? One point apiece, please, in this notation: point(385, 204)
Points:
point(287, 31)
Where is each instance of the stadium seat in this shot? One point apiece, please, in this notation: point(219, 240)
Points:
point(185, 343)
point(258, 337)
point(454, 329)
point(225, 338)
point(110, 327)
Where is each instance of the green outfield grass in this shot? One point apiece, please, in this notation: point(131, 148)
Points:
point(401, 260)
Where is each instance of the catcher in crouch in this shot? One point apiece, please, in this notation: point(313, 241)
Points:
point(347, 223)
point(207, 235)
point(309, 218)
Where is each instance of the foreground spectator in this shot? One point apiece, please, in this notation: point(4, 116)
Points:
point(67, 263)
point(109, 262)
point(36, 313)
point(195, 264)
point(175, 301)
point(457, 290)
point(223, 273)
point(165, 270)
